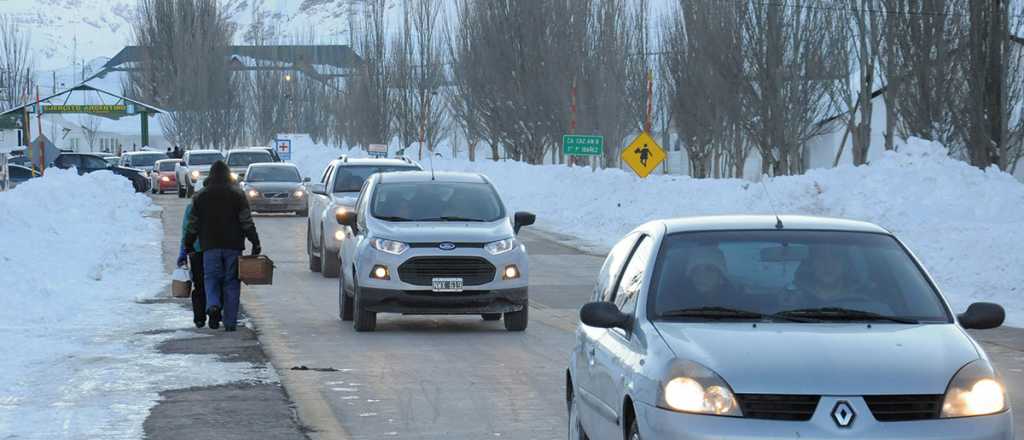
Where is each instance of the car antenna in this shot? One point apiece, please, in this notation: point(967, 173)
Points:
point(771, 203)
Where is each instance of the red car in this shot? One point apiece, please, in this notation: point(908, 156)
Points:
point(163, 176)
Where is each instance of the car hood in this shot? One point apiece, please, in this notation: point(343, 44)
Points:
point(436, 232)
point(200, 168)
point(825, 359)
point(345, 198)
point(274, 186)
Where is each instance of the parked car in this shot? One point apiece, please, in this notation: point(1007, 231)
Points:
point(113, 160)
point(276, 187)
point(163, 178)
point(194, 168)
point(18, 175)
point(432, 243)
point(239, 160)
point(142, 160)
point(764, 327)
point(88, 163)
point(337, 189)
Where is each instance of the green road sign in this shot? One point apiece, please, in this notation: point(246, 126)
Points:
point(582, 145)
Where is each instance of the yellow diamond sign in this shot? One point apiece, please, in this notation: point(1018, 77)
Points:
point(643, 155)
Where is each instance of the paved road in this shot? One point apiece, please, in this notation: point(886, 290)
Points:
point(446, 377)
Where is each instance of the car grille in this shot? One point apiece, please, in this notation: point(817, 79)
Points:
point(421, 271)
point(778, 406)
point(901, 408)
point(275, 195)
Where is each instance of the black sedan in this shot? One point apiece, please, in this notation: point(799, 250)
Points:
point(88, 163)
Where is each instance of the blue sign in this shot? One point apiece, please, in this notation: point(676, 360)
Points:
point(284, 148)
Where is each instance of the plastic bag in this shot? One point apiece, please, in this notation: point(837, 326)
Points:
point(181, 274)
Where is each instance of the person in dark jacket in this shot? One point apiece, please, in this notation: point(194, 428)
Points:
point(221, 220)
point(195, 261)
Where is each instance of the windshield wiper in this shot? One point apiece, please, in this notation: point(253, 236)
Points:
point(840, 313)
point(392, 218)
point(715, 312)
point(450, 218)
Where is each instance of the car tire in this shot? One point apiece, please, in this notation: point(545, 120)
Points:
point(362, 320)
point(491, 316)
point(634, 431)
point(517, 321)
point(575, 424)
point(329, 262)
point(345, 305)
point(314, 261)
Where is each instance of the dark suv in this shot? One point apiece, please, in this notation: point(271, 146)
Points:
point(88, 163)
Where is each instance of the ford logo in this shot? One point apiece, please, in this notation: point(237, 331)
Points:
point(447, 246)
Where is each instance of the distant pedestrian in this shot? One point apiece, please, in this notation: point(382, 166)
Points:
point(195, 263)
point(221, 220)
point(177, 152)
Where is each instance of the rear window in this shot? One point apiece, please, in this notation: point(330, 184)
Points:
point(204, 158)
point(248, 158)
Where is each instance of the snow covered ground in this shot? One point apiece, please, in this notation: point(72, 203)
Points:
point(967, 225)
point(77, 255)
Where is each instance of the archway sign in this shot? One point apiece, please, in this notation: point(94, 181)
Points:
point(117, 108)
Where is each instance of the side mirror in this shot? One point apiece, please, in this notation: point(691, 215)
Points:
point(523, 218)
point(305, 180)
point(982, 316)
point(605, 315)
point(346, 218)
point(318, 189)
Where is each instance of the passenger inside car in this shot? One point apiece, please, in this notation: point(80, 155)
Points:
point(703, 282)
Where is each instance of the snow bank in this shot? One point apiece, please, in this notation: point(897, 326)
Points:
point(77, 253)
point(967, 225)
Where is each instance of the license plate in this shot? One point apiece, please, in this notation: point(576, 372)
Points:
point(447, 284)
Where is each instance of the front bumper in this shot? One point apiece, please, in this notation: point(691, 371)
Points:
point(286, 205)
point(657, 423)
point(426, 302)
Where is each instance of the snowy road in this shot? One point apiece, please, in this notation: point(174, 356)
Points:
point(445, 377)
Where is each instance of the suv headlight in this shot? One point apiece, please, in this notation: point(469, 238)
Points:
point(974, 391)
point(194, 174)
point(389, 246)
point(693, 388)
point(500, 246)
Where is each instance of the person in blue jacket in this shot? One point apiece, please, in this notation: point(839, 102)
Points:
point(196, 266)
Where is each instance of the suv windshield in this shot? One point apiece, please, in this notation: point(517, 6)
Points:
point(437, 201)
point(351, 178)
point(273, 174)
point(204, 158)
point(815, 275)
point(146, 160)
point(246, 159)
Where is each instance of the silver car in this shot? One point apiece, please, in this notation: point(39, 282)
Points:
point(426, 243)
point(276, 187)
point(761, 327)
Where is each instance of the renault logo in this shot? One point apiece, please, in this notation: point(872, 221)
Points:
point(843, 414)
point(446, 246)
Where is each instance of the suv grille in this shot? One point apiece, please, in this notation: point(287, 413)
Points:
point(778, 406)
point(421, 271)
point(903, 408)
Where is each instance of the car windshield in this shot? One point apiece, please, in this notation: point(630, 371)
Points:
point(249, 158)
point(146, 160)
point(437, 201)
point(814, 275)
point(351, 178)
point(204, 158)
point(166, 166)
point(273, 174)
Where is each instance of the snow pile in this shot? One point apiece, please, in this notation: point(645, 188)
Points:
point(77, 253)
point(964, 223)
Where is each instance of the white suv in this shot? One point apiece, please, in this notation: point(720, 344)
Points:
point(194, 168)
point(338, 188)
point(432, 243)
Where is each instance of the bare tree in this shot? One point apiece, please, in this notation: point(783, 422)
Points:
point(367, 93)
point(16, 64)
point(605, 103)
point(857, 37)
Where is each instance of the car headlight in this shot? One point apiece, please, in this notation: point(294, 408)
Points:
point(195, 175)
point(693, 388)
point(299, 194)
point(500, 246)
point(253, 193)
point(389, 246)
point(165, 179)
point(974, 391)
point(234, 177)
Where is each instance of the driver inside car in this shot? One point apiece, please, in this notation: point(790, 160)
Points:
point(824, 280)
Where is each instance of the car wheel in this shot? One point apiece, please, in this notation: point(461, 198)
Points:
point(363, 320)
point(516, 321)
point(575, 424)
point(329, 264)
point(491, 316)
point(634, 431)
point(344, 301)
point(314, 261)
